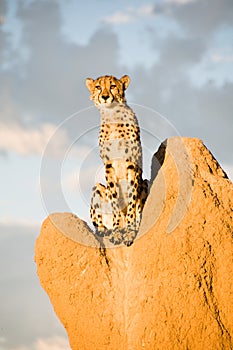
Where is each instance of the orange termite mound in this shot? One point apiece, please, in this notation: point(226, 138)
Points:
point(172, 289)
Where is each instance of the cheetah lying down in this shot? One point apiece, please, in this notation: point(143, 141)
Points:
point(117, 207)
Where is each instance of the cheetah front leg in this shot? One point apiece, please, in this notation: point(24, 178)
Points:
point(113, 190)
point(137, 194)
point(101, 213)
point(115, 195)
point(133, 178)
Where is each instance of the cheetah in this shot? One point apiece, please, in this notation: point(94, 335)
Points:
point(116, 208)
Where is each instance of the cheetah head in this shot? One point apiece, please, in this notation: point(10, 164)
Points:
point(107, 89)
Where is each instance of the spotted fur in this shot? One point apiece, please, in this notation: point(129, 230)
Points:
point(117, 207)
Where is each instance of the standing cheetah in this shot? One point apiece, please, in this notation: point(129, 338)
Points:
point(116, 209)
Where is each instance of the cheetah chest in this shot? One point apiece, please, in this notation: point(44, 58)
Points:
point(119, 137)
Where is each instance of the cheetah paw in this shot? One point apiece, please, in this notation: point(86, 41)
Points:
point(116, 236)
point(129, 237)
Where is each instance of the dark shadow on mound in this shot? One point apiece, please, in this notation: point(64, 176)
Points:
point(157, 160)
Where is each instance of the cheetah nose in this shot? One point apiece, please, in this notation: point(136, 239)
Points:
point(105, 97)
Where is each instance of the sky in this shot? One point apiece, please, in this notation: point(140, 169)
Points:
point(179, 56)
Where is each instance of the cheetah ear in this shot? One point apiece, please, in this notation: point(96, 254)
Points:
point(89, 84)
point(125, 81)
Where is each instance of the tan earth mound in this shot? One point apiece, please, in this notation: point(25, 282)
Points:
point(172, 289)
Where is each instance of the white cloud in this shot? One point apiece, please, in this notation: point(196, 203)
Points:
point(222, 58)
point(147, 10)
point(14, 222)
point(118, 18)
point(28, 141)
point(179, 2)
point(53, 343)
point(131, 14)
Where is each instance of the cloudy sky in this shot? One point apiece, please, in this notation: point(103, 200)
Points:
point(179, 55)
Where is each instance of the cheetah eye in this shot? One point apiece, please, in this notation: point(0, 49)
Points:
point(113, 86)
point(98, 87)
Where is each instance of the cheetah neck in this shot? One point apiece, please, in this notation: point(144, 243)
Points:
point(117, 113)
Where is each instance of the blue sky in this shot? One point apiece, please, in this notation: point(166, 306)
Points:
point(179, 55)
